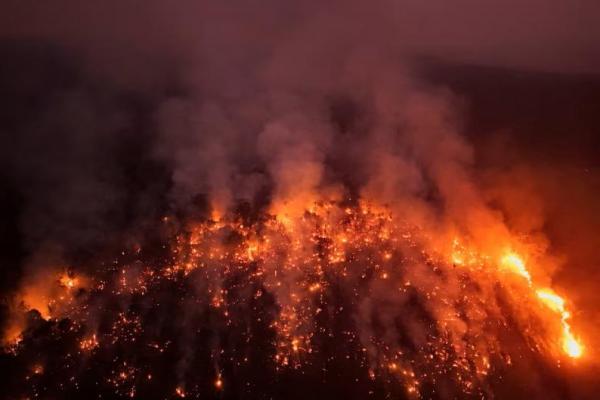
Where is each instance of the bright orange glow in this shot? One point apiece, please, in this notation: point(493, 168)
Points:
point(50, 294)
point(514, 263)
point(550, 299)
point(294, 258)
point(180, 392)
point(556, 303)
point(219, 382)
point(68, 281)
point(314, 287)
point(571, 346)
point(89, 343)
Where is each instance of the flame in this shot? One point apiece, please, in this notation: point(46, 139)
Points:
point(51, 294)
point(89, 343)
point(68, 281)
point(514, 263)
point(550, 299)
point(295, 258)
point(570, 345)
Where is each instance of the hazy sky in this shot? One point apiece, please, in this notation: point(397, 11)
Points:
point(556, 35)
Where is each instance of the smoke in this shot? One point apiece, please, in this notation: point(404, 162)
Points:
point(244, 96)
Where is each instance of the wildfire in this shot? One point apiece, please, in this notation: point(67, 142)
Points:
point(551, 300)
point(556, 303)
point(361, 251)
point(68, 282)
point(90, 343)
point(512, 262)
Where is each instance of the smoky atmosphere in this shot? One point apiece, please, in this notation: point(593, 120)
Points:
point(244, 199)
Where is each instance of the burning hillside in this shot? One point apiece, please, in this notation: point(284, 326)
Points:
point(342, 282)
point(208, 199)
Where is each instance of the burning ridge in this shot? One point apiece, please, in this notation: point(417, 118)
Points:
point(343, 283)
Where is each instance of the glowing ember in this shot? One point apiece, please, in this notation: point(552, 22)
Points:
point(180, 392)
point(219, 383)
point(38, 369)
point(89, 343)
point(378, 264)
point(68, 281)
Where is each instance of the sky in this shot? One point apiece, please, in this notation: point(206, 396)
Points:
point(555, 35)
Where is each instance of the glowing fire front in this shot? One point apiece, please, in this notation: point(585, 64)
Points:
point(556, 303)
point(550, 299)
point(379, 264)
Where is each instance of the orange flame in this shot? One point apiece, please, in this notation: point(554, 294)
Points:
point(550, 299)
point(556, 303)
point(512, 262)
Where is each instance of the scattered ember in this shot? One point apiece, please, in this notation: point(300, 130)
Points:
point(406, 313)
